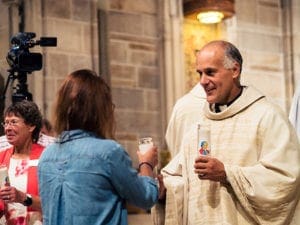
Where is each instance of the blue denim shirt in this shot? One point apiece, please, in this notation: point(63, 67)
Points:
point(85, 180)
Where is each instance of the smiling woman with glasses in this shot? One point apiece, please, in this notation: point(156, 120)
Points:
point(19, 199)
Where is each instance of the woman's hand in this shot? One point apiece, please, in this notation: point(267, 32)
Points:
point(10, 194)
point(150, 156)
point(147, 161)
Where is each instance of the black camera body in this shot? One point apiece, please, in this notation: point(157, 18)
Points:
point(22, 61)
point(25, 61)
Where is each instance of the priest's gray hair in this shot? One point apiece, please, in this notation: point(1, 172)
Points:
point(232, 56)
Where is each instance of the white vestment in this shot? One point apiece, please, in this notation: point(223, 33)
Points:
point(186, 112)
point(261, 155)
point(295, 111)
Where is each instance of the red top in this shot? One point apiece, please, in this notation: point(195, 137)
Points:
point(32, 178)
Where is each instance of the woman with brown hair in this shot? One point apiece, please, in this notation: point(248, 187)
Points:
point(86, 177)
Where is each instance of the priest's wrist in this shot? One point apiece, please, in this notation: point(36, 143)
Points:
point(223, 179)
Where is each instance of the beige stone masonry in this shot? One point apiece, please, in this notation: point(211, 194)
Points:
point(139, 122)
point(139, 6)
point(57, 9)
point(148, 78)
point(128, 99)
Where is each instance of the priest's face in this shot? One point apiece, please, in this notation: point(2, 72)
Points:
point(218, 81)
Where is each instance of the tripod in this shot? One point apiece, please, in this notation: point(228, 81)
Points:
point(21, 90)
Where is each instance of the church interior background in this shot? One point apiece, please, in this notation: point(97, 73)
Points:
point(145, 49)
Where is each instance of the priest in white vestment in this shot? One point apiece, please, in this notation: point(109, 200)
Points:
point(252, 175)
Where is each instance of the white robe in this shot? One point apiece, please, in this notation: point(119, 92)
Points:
point(186, 112)
point(261, 154)
point(294, 115)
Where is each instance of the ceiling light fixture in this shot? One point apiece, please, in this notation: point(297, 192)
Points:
point(209, 11)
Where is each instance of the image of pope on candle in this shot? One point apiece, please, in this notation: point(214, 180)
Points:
point(203, 148)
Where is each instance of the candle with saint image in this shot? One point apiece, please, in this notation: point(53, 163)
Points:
point(203, 142)
point(145, 144)
point(4, 180)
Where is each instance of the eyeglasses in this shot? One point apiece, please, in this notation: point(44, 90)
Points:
point(10, 123)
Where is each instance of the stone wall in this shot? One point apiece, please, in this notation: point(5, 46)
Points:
point(73, 22)
point(295, 35)
point(267, 37)
point(134, 48)
point(135, 45)
point(263, 36)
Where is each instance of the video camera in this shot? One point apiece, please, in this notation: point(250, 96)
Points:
point(21, 61)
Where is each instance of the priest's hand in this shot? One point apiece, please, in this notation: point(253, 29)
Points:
point(209, 168)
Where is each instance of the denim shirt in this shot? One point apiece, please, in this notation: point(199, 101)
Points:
point(86, 180)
